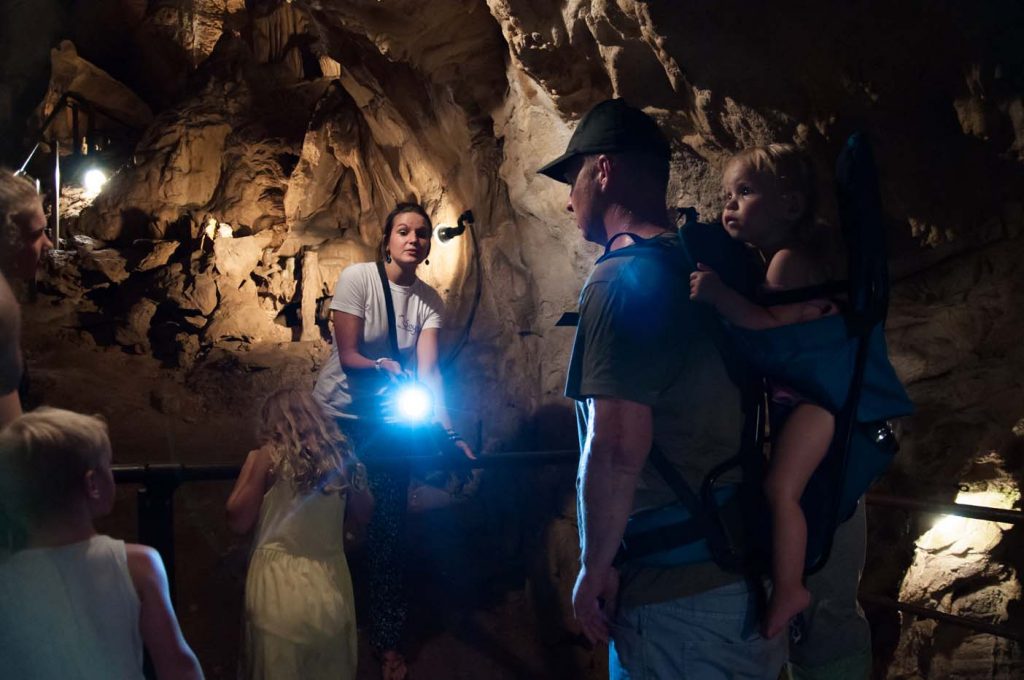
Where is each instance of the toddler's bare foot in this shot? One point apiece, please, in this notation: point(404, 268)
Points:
point(392, 666)
point(783, 606)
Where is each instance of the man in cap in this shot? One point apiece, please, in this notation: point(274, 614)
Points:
point(645, 372)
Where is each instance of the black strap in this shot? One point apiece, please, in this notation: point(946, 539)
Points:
point(389, 305)
point(679, 487)
point(705, 517)
point(638, 545)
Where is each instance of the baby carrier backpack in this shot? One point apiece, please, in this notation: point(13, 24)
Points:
point(839, 362)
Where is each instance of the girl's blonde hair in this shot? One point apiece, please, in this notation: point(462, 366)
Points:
point(792, 169)
point(44, 456)
point(309, 448)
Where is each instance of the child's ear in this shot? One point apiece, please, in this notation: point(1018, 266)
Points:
point(92, 489)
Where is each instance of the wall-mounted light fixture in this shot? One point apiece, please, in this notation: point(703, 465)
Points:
point(446, 233)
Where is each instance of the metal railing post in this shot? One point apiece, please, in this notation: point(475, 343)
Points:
point(156, 514)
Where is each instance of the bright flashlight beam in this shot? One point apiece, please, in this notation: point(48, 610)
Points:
point(414, 403)
point(93, 182)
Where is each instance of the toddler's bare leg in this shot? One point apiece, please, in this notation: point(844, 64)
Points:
point(799, 448)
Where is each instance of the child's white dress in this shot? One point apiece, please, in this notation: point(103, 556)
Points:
point(300, 616)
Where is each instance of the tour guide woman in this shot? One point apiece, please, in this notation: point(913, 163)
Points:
point(349, 386)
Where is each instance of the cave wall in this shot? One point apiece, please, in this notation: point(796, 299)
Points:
point(299, 124)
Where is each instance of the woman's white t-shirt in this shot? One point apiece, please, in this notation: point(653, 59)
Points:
point(359, 292)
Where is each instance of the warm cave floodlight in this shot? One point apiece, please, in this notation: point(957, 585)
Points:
point(93, 181)
point(446, 233)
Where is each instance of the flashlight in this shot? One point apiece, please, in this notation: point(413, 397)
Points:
point(412, 403)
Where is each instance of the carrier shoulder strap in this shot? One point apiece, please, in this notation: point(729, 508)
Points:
point(389, 305)
point(706, 519)
point(687, 496)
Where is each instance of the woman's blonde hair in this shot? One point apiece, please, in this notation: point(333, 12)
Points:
point(309, 448)
point(17, 196)
point(44, 456)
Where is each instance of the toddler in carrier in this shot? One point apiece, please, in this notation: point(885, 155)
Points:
point(770, 205)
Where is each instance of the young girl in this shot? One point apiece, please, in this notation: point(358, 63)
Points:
point(73, 602)
point(300, 616)
point(770, 204)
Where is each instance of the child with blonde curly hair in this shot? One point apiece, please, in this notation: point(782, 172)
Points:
point(770, 204)
point(299, 609)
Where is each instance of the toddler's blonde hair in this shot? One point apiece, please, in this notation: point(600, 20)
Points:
point(792, 169)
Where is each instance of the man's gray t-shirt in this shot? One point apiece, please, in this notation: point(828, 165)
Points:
point(641, 338)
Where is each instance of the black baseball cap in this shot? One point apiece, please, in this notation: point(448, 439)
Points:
point(611, 126)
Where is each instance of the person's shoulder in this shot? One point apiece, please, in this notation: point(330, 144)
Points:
point(145, 566)
point(359, 270)
point(655, 268)
point(356, 277)
point(794, 268)
point(610, 267)
point(143, 557)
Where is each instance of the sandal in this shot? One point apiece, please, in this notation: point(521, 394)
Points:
point(392, 666)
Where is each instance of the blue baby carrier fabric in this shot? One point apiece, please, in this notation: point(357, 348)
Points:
point(817, 359)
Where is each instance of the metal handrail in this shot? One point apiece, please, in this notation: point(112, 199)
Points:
point(952, 619)
point(160, 480)
point(959, 509)
point(139, 474)
point(977, 512)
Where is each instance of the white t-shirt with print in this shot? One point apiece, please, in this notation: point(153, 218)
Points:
point(359, 292)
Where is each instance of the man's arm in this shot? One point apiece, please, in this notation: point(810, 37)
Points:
point(617, 446)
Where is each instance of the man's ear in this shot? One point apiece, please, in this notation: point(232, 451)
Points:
point(603, 169)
